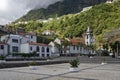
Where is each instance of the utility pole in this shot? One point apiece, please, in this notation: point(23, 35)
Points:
point(117, 51)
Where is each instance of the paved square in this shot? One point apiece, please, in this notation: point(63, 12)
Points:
point(61, 72)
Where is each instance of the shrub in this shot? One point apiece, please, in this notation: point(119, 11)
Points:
point(113, 56)
point(25, 54)
point(2, 57)
point(32, 63)
point(74, 63)
point(105, 53)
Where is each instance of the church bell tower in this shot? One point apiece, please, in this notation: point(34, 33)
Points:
point(89, 40)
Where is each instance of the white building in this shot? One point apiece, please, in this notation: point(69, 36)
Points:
point(109, 1)
point(25, 43)
point(74, 47)
point(89, 39)
point(58, 41)
point(42, 49)
point(14, 41)
point(48, 33)
point(86, 8)
point(78, 47)
point(55, 51)
point(2, 28)
point(3, 48)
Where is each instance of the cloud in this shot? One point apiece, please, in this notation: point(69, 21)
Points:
point(17, 8)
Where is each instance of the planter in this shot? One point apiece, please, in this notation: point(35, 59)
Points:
point(48, 59)
point(33, 67)
point(91, 57)
point(74, 69)
point(2, 61)
point(103, 63)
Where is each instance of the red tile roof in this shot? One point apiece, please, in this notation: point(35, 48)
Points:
point(30, 33)
point(39, 44)
point(22, 34)
point(2, 42)
point(77, 41)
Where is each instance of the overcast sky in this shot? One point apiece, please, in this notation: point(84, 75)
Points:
point(13, 9)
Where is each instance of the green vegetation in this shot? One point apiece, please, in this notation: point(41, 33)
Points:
point(25, 54)
point(45, 39)
point(74, 63)
point(105, 53)
point(101, 18)
point(58, 9)
point(33, 63)
point(115, 46)
point(2, 57)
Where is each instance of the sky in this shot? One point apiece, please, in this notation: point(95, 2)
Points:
point(11, 10)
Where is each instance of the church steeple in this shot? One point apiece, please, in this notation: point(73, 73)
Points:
point(89, 37)
point(89, 30)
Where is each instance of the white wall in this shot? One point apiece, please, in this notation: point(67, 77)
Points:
point(58, 41)
point(75, 51)
point(5, 50)
point(54, 50)
point(21, 40)
point(32, 38)
point(89, 40)
point(45, 53)
point(11, 44)
point(24, 48)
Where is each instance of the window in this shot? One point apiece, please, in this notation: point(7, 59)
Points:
point(80, 48)
point(15, 49)
point(77, 47)
point(2, 46)
point(87, 43)
point(48, 55)
point(74, 47)
point(47, 49)
point(15, 40)
point(43, 55)
point(31, 48)
point(87, 36)
point(37, 49)
point(43, 49)
point(31, 37)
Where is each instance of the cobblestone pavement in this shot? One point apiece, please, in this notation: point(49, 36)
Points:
point(61, 72)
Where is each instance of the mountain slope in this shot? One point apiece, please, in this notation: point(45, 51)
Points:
point(101, 18)
point(59, 9)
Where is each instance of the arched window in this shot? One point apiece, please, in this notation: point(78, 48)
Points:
point(47, 49)
point(37, 49)
point(43, 49)
point(73, 47)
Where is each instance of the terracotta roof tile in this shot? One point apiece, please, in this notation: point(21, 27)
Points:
point(31, 33)
point(77, 41)
point(2, 42)
point(40, 44)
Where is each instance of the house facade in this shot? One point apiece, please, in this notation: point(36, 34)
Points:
point(55, 51)
point(24, 43)
point(43, 50)
point(14, 41)
point(70, 47)
point(3, 49)
point(27, 43)
point(48, 33)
